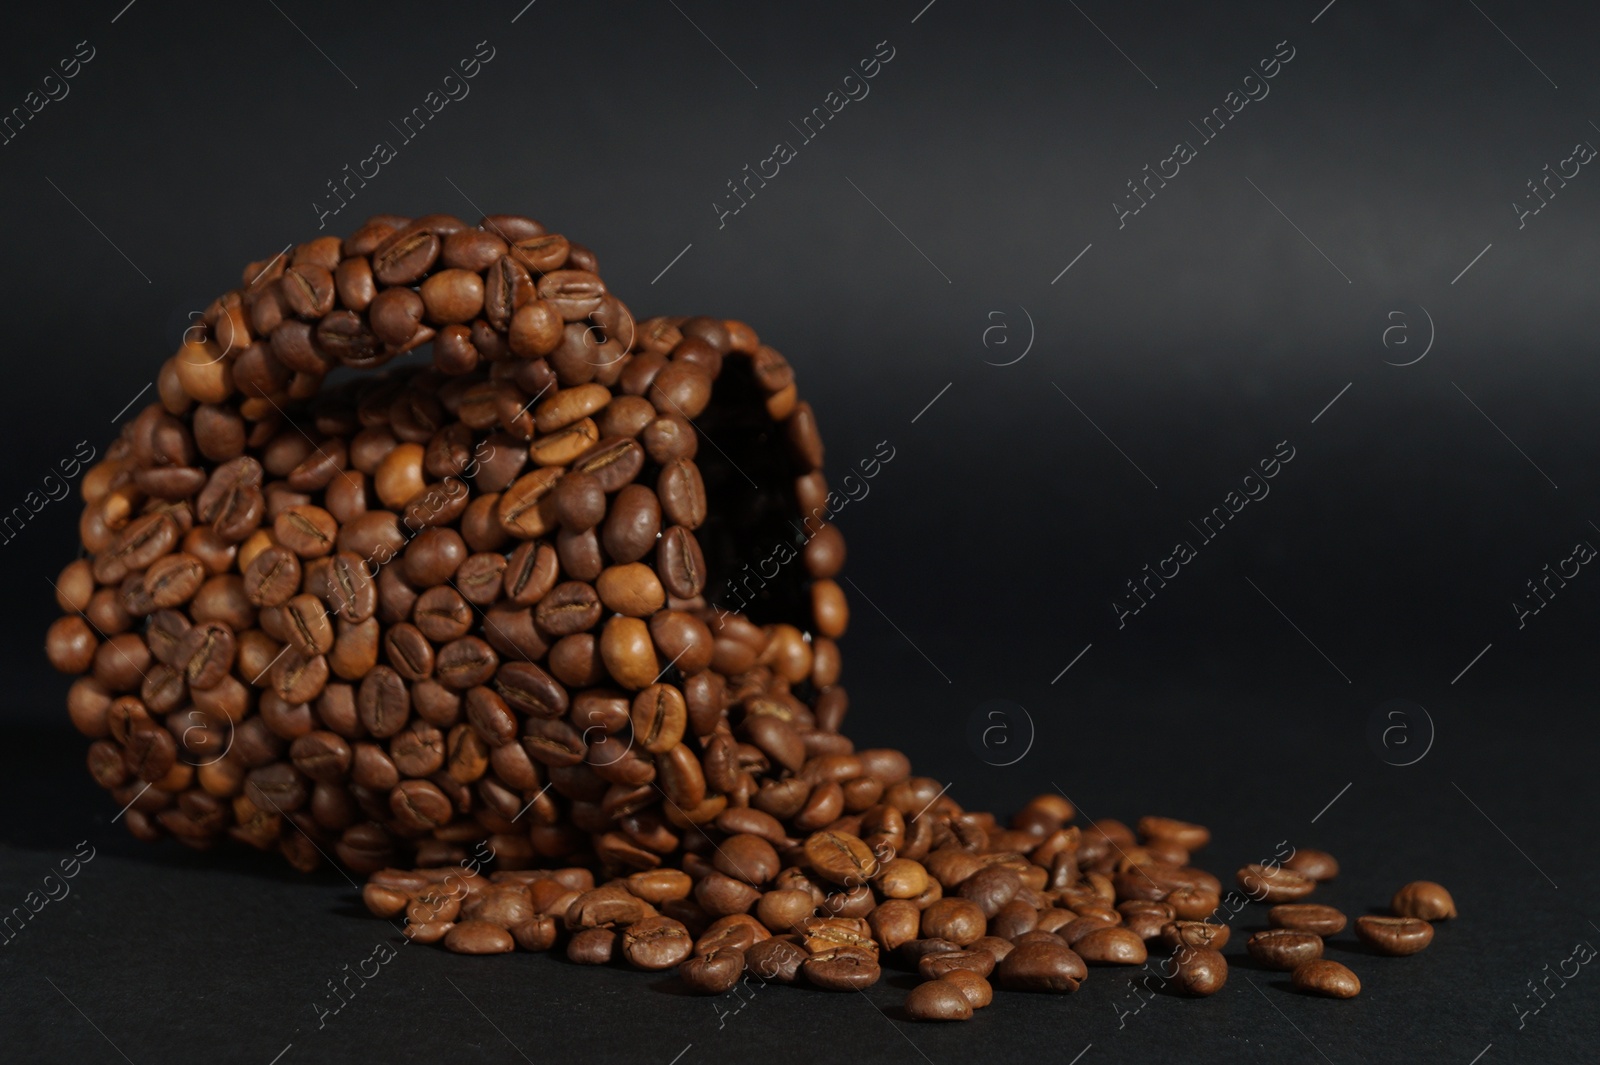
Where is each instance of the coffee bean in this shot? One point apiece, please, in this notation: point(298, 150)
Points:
point(1284, 948)
point(1307, 917)
point(1200, 971)
point(1041, 967)
point(1274, 884)
point(1425, 900)
point(938, 1000)
point(272, 577)
point(1394, 935)
point(1111, 946)
point(934, 966)
point(1318, 865)
point(1326, 978)
point(841, 969)
point(713, 973)
point(776, 959)
point(656, 943)
point(592, 946)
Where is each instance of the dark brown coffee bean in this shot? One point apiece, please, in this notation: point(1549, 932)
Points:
point(682, 494)
point(1284, 948)
point(306, 530)
point(1307, 917)
point(272, 577)
point(776, 959)
point(531, 572)
point(713, 973)
point(680, 564)
point(1176, 935)
point(842, 859)
point(348, 588)
point(1424, 900)
point(383, 702)
point(205, 654)
point(307, 290)
point(1326, 978)
point(570, 607)
point(991, 888)
point(405, 257)
point(1395, 936)
point(1318, 865)
point(938, 1000)
point(1200, 971)
point(1041, 967)
point(613, 463)
point(656, 943)
point(409, 652)
point(934, 966)
point(1111, 946)
point(841, 969)
point(478, 937)
point(574, 294)
point(1274, 884)
point(466, 663)
point(488, 714)
point(309, 629)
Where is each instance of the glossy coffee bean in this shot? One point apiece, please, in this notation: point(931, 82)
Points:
point(1326, 978)
point(1307, 917)
point(1425, 900)
point(1395, 936)
point(938, 1000)
point(1284, 948)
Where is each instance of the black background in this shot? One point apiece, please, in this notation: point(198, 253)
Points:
point(988, 553)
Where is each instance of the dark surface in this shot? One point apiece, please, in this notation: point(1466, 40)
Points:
point(1196, 338)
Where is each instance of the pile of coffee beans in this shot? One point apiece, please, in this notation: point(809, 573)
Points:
point(498, 610)
point(390, 617)
point(914, 882)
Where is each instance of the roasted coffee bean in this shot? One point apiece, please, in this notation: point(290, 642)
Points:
point(713, 973)
point(1394, 935)
point(1326, 978)
point(938, 1000)
point(1318, 865)
point(272, 577)
point(1284, 948)
point(656, 943)
point(1425, 900)
point(1200, 971)
point(1176, 935)
point(1041, 967)
point(841, 969)
point(776, 959)
point(843, 859)
point(1307, 917)
point(1111, 946)
point(1274, 884)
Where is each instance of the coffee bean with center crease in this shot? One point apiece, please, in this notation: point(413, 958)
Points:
point(570, 607)
point(612, 463)
point(680, 563)
point(656, 943)
point(1307, 917)
point(682, 494)
point(713, 973)
point(408, 651)
point(205, 654)
point(776, 959)
point(465, 663)
point(528, 689)
point(1395, 936)
point(383, 702)
point(841, 969)
point(309, 629)
point(348, 589)
point(841, 857)
point(272, 577)
point(1284, 948)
